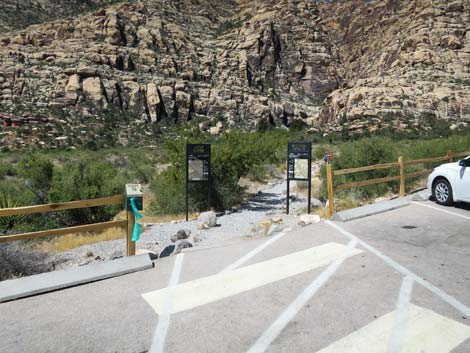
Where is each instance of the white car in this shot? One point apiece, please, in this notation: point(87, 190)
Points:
point(451, 182)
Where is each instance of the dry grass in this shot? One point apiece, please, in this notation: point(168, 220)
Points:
point(169, 218)
point(74, 240)
point(323, 212)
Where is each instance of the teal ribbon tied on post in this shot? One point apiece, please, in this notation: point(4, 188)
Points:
point(138, 216)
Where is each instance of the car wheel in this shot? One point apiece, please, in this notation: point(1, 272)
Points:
point(442, 192)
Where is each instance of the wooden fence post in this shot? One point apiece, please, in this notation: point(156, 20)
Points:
point(402, 176)
point(331, 196)
point(450, 156)
point(130, 230)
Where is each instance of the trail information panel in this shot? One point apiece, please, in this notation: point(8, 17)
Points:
point(198, 169)
point(299, 166)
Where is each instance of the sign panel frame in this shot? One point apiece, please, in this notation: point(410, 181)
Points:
point(298, 152)
point(199, 155)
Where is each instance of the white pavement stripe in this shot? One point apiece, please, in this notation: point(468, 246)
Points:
point(427, 332)
point(291, 311)
point(442, 210)
point(212, 288)
point(395, 342)
point(439, 292)
point(254, 252)
point(159, 337)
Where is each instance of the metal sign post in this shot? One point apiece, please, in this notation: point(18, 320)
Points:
point(198, 169)
point(299, 167)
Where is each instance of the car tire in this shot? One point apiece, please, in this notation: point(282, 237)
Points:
point(442, 192)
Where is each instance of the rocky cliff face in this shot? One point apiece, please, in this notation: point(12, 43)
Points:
point(341, 65)
point(400, 59)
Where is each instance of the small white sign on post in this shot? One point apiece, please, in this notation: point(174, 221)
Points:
point(135, 190)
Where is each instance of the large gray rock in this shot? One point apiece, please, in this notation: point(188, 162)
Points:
point(167, 251)
point(182, 244)
point(207, 219)
point(180, 235)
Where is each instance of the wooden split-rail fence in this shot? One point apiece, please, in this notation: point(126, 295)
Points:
point(401, 176)
point(128, 223)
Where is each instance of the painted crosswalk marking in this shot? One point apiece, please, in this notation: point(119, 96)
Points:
point(426, 331)
point(210, 289)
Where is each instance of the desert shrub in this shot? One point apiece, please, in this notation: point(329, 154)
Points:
point(169, 191)
point(228, 26)
point(37, 172)
point(18, 262)
point(258, 172)
point(9, 222)
point(6, 169)
point(86, 179)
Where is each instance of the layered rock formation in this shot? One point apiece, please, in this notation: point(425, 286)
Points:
point(342, 64)
point(400, 59)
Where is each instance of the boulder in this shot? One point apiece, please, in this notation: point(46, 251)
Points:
point(307, 219)
point(182, 244)
point(180, 235)
point(183, 234)
point(167, 251)
point(264, 226)
point(207, 219)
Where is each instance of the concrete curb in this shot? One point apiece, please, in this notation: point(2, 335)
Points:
point(369, 210)
point(50, 281)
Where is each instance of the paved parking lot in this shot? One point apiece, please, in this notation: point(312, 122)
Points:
point(393, 282)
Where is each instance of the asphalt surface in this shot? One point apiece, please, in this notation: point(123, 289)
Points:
point(407, 290)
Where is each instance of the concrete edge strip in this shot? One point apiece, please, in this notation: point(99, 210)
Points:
point(440, 209)
point(266, 339)
point(51, 281)
point(370, 210)
point(159, 337)
point(397, 337)
point(255, 251)
point(440, 293)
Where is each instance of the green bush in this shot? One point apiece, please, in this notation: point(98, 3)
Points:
point(37, 172)
point(86, 179)
point(6, 169)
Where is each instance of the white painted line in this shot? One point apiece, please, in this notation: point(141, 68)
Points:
point(254, 252)
point(442, 210)
point(395, 342)
point(159, 337)
point(291, 311)
point(209, 289)
point(427, 332)
point(439, 292)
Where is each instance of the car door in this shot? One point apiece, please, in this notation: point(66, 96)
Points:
point(463, 182)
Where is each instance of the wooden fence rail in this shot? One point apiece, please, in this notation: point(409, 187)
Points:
point(128, 223)
point(401, 177)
